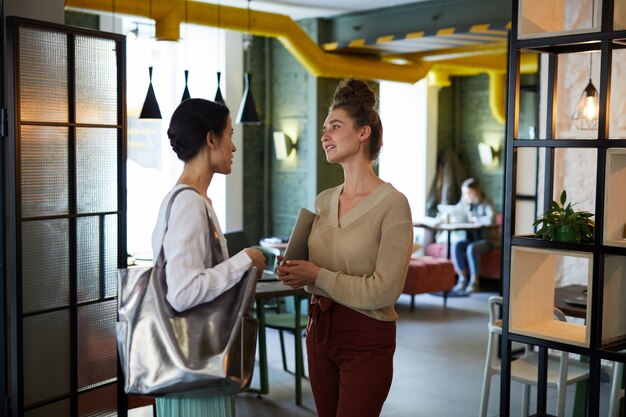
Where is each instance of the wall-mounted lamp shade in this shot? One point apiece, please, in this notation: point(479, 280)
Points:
point(133, 34)
point(150, 109)
point(247, 112)
point(186, 95)
point(585, 116)
point(489, 155)
point(218, 93)
point(283, 145)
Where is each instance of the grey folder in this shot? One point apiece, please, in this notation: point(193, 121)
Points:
point(298, 246)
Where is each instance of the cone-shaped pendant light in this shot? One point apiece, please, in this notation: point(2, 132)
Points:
point(150, 109)
point(186, 95)
point(218, 94)
point(247, 112)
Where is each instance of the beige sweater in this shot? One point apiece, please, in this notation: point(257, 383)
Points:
point(364, 255)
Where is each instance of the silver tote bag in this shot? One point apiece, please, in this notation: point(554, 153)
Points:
point(209, 346)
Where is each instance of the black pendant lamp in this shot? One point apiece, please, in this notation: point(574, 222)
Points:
point(247, 112)
point(585, 115)
point(218, 94)
point(219, 98)
point(150, 109)
point(186, 95)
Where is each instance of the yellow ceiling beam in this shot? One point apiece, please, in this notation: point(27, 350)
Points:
point(168, 15)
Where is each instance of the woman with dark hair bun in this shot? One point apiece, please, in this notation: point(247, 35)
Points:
point(359, 249)
point(200, 133)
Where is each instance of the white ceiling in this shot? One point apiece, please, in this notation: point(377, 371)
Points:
point(301, 9)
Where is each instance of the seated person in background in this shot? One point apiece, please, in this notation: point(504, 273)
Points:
point(466, 253)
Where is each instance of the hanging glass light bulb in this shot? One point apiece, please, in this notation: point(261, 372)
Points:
point(585, 115)
point(247, 112)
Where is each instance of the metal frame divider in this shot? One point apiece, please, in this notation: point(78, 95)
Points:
point(13, 225)
point(601, 41)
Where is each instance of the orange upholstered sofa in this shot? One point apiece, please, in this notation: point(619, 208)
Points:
point(427, 274)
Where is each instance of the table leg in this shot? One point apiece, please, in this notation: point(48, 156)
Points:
point(580, 398)
point(299, 360)
point(263, 376)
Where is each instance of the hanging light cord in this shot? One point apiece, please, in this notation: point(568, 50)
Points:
point(593, 10)
point(249, 44)
point(219, 34)
point(186, 31)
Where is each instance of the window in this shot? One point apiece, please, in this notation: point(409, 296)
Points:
point(152, 167)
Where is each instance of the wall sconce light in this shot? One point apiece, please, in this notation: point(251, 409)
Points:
point(489, 154)
point(283, 145)
point(133, 34)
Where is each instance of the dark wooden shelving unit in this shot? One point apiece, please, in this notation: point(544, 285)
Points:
point(605, 258)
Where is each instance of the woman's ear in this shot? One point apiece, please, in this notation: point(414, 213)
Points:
point(211, 140)
point(365, 133)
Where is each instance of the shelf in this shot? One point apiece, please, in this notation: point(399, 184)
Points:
point(614, 300)
point(540, 18)
point(531, 312)
point(615, 198)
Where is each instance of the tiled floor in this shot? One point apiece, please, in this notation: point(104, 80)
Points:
point(438, 371)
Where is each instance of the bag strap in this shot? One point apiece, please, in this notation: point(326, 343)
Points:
point(217, 254)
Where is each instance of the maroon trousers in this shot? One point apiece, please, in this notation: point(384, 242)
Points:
point(350, 359)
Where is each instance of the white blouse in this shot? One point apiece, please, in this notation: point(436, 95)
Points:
point(190, 278)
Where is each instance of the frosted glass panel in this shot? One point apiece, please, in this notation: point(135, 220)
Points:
point(110, 255)
point(101, 402)
point(617, 105)
point(44, 171)
point(88, 258)
point(96, 170)
point(526, 178)
point(46, 356)
point(43, 76)
point(96, 81)
point(45, 264)
point(97, 348)
point(59, 408)
point(524, 217)
point(575, 172)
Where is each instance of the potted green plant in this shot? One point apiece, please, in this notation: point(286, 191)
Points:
point(564, 224)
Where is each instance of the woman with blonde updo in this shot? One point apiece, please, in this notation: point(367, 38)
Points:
point(359, 250)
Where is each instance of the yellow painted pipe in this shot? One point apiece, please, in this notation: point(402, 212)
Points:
point(168, 15)
point(497, 84)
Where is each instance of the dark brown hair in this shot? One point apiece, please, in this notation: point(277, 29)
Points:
point(359, 101)
point(191, 121)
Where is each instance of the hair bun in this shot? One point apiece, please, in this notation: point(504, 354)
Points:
point(353, 92)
